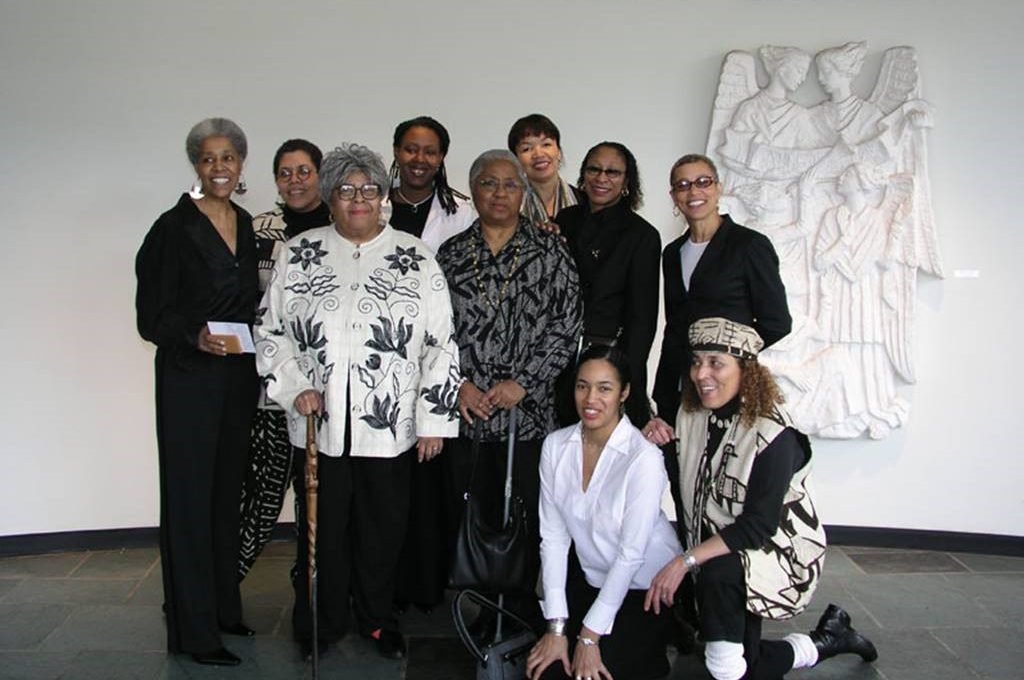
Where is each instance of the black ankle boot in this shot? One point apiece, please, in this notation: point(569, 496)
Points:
point(834, 635)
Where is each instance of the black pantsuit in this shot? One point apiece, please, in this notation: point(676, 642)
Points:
point(362, 512)
point(187, 276)
point(722, 603)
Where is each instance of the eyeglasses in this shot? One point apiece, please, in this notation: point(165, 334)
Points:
point(303, 172)
point(490, 185)
point(702, 182)
point(347, 192)
point(593, 172)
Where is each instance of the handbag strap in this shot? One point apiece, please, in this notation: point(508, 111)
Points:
point(475, 452)
point(484, 603)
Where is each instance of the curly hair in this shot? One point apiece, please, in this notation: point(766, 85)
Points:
point(634, 197)
point(759, 393)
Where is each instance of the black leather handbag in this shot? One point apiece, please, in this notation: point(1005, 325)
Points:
point(489, 558)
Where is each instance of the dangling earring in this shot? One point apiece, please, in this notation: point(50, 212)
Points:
point(625, 191)
point(196, 190)
point(240, 188)
point(675, 210)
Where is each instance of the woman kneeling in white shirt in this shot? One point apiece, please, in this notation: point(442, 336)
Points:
point(601, 489)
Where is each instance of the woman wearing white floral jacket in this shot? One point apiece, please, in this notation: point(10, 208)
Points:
point(356, 327)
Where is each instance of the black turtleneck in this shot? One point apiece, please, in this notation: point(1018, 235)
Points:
point(299, 222)
point(411, 219)
point(766, 487)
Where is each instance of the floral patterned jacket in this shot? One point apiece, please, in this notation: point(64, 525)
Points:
point(370, 322)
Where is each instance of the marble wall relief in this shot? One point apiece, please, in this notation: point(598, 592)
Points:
point(841, 188)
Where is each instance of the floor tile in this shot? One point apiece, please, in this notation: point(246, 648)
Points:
point(992, 652)
point(838, 563)
point(906, 562)
point(915, 601)
point(917, 654)
point(989, 563)
point(24, 626)
point(266, 619)
point(7, 585)
point(70, 591)
point(134, 563)
point(110, 628)
point(268, 583)
point(34, 665)
point(60, 564)
point(439, 658)
point(116, 666)
point(149, 590)
point(282, 549)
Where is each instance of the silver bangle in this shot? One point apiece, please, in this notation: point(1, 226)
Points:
point(690, 562)
point(556, 626)
point(586, 642)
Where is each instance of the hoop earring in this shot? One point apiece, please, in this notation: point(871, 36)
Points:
point(675, 210)
point(625, 191)
point(196, 190)
point(240, 188)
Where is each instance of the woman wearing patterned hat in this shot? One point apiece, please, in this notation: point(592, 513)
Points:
point(754, 541)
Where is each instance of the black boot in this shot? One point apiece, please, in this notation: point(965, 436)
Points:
point(834, 635)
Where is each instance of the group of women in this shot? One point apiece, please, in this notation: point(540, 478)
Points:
point(401, 314)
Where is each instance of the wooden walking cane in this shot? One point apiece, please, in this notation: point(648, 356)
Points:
point(311, 489)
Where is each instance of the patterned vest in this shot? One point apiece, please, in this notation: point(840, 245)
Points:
point(782, 574)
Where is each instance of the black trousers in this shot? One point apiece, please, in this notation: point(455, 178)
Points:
point(722, 603)
point(635, 649)
point(423, 567)
point(204, 414)
point(362, 512)
point(489, 487)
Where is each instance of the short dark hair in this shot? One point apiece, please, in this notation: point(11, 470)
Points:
point(613, 355)
point(634, 197)
point(445, 194)
point(533, 124)
point(314, 152)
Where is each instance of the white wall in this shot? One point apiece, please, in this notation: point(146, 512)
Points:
point(97, 98)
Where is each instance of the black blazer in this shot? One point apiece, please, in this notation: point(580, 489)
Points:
point(616, 253)
point(737, 277)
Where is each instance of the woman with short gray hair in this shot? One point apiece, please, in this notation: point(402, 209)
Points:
point(196, 266)
point(356, 328)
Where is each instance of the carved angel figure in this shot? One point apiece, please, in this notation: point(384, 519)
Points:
point(842, 190)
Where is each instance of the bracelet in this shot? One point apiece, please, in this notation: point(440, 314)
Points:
point(556, 626)
point(690, 562)
point(586, 642)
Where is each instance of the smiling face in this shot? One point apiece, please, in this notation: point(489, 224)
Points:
point(599, 394)
point(219, 167)
point(498, 194)
point(696, 204)
point(358, 218)
point(604, 177)
point(540, 157)
point(717, 377)
point(419, 157)
point(298, 182)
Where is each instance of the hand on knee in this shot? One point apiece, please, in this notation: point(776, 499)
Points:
point(724, 660)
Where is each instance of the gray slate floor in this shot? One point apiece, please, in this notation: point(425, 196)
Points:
point(932, 615)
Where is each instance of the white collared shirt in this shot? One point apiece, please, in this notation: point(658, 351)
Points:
point(622, 537)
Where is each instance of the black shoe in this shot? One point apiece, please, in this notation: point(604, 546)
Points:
point(218, 657)
point(239, 629)
point(306, 649)
point(390, 644)
point(834, 635)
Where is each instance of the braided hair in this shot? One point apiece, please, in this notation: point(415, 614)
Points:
point(445, 194)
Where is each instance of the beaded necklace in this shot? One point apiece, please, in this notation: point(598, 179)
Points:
point(493, 304)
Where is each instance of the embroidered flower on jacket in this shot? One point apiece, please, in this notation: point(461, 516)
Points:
point(403, 260)
point(307, 252)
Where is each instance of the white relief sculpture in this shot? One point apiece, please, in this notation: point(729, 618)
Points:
point(841, 188)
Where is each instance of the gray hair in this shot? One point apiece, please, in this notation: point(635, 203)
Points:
point(215, 127)
point(494, 155)
point(346, 159)
point(693, 158)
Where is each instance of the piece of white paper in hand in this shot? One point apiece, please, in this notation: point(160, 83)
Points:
point(239, 330)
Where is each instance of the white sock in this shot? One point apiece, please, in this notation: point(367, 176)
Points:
point(724, 660)
point(805, 654)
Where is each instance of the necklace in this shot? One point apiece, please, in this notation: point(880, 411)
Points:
point(413, 205)
point(493, 304)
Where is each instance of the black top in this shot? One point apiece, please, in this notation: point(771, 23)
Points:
point(522, 326)
point(616, 253)
point(411, 219)
point(738, 278)
point(295, 224)
point(766, 487)
point(187, 276)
